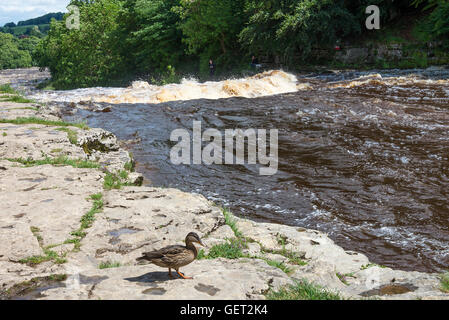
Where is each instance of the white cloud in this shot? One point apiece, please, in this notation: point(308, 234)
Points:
point(15, 11)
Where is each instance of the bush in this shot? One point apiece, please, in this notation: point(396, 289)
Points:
point(11, 56)
point(440, 21)
point(88, 56)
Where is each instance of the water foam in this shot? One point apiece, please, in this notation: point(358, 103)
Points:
point(262, 84)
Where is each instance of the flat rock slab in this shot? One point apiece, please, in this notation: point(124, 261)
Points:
point(313, 245)
point(349, 273)
point(137, 219)
point(392, 284)
point(213, 279)
point(13, 110)
point(52, 199)
point(23, 75)
point(16, 240)
point(37, 141)
point(40, 141)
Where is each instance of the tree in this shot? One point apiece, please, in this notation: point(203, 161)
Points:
point(90, 55)
point(29, 44)
point(33, 31)
point(211, 27)
point(11, 56)
point(290, 27)
point(438, 19)
point(154, 34)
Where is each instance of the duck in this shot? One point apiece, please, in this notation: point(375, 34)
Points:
point(174, 256)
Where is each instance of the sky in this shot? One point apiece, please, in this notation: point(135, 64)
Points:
point(17, 10)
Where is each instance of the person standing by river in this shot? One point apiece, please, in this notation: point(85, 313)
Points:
point(254, 62)
point(211, 68)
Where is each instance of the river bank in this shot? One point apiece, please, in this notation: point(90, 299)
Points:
point(72, 225)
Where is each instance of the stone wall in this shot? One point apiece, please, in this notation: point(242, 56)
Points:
point(392, 53)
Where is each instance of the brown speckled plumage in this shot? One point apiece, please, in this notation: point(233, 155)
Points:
point(175, 256)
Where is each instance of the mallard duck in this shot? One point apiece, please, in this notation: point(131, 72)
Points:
point(174, 257)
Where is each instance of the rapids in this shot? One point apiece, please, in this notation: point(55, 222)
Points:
point(267, 83)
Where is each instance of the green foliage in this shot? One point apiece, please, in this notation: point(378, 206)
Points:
point(25, 287)
point(11, 56)
point(129, 166)
point(342, 278)
point(230, 221)
point(231, 249)
point(39, 31)
point(71, 134)
point(87, 56)
point(6, 88)
point(302, 290)
point(293, 257)
point(201, 255)
point(123, 174)
point(211, 28)
point(440, 21)
point(96, 196)
point(33, 120)
point(42, 19)
point(277, 264)
point(30, 44)
point(161, 40)
point(49, 255)
point(444, 280)
point(166, 77)
point(427, 3)
point(109, 265)
point(7, 91)
point(287, 28)
point(436, 25)
point(58, 161)
point(89, 217)
point(16, 99)
point(154, 34)
point(112, 181)
point(116, 181)
point(369, 265)
point(86, 221)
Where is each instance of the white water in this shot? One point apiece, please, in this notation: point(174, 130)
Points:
point(263, 84)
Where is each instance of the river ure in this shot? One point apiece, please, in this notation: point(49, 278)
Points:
point(363, 156)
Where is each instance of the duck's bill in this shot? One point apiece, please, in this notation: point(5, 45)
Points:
point(201, 243)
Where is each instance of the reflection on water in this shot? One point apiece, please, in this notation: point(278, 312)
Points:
point(362, 156)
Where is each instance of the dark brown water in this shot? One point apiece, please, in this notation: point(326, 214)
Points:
point(365, 161)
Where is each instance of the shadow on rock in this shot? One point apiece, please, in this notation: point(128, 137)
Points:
point(151, 277)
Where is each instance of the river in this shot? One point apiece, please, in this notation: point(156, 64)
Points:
point(363, 156)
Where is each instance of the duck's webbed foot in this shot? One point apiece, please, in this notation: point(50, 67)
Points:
point(182, 275)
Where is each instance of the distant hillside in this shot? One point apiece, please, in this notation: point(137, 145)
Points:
point(45, 19)
point(32, 27)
